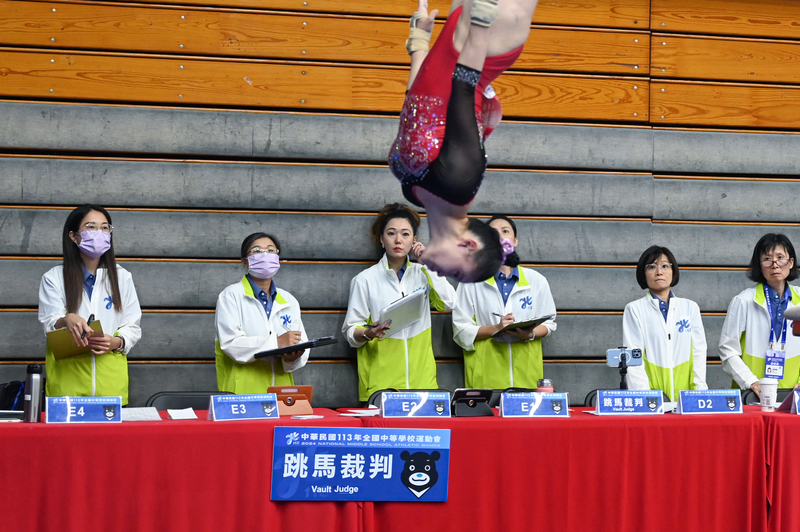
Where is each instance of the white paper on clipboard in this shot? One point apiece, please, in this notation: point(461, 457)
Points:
point(404, 312)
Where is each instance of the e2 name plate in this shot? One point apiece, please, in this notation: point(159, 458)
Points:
point(710, 402)
point(242, 407)
point(534, 404)
point(84, 409)
point(629, 402)
point(415, 404)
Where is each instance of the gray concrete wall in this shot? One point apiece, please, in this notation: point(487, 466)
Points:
point(185, 186)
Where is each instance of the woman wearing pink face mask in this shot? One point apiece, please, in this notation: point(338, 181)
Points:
point(254, 315)
point(90, 285)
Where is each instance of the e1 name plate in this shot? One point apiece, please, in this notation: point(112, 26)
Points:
point(629, 402)
point(534, 404)
point(240, 407)
point(84, 409)
point(415, 404)
point(709, 402)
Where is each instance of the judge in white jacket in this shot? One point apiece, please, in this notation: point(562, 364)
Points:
point(668, 330)
point(252, 316)
point(755, 319)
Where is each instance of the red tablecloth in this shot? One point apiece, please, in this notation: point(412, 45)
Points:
point(783, 445)
point(169, 476)
point(652, 473)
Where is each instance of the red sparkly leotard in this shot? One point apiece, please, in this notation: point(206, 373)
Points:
point(436, 96)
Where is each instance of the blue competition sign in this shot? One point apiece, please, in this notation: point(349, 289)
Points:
point(84, 410)
point(233, 407)
point(710, 402)
point(627, 402)
point(358, 464)
point(534, 404)
point(415, 404)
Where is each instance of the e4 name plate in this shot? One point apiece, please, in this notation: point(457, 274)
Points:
point(84, 409)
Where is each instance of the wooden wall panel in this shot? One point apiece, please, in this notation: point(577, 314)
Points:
point(281, 36)
point(728, 59)
point(106, 77)
point(759, 18)
point(632, 14)
point(725, 105)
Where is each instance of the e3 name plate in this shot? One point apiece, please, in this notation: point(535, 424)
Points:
point(240, 407)
point(629, 402)
point(709, 402)
point(534, 404)
point(84, 409)
point(415, 404)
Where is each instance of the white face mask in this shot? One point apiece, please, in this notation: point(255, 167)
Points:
point(263, 265)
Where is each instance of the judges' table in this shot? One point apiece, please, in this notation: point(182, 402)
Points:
point(783, 442)
point(637, 473)
point(171, 475)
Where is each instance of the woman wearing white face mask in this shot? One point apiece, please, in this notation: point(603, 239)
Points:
point(90, 284)
point(254, 315)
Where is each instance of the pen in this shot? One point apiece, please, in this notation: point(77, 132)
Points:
point(88, 322)
point(496, 314)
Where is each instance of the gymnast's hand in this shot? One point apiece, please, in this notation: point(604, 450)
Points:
point(417, 248)
point(426, 20)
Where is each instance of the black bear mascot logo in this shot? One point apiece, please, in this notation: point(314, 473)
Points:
point(652, 403)
point(268, 406)
point(439, 407)
point(558, 405)
point(731, 402)
point(419, 474)
point(110, 411)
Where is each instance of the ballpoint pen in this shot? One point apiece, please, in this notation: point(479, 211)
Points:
point(88, 322)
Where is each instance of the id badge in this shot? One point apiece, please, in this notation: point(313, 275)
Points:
point(775, 362)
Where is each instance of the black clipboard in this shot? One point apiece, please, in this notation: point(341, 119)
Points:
point(316, 342)
point(523, 325)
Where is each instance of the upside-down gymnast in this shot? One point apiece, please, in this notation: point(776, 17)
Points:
point(449, 109)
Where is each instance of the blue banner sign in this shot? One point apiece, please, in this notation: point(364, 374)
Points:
point(534, 404)
point(84, 409)
point(233, 407)
point(358, 464)
point(415, 404)
point(627, 402)
point(710, 402)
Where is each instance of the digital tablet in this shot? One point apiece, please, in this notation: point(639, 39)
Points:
point(522, 325)
point(316, 342)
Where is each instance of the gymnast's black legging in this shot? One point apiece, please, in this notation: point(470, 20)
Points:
point(456, 174)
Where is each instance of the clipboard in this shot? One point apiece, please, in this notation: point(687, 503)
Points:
point(404, 312)
point(522, 325)
point(63, 345)
point(316, 342)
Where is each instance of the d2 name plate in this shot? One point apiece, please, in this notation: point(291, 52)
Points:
point(84, 409)
point(415, 404)
point(709, 402)
point(629, 402)
point(241, 407)
point(534, 404)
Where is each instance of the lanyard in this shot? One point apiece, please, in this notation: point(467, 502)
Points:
point(768, 294)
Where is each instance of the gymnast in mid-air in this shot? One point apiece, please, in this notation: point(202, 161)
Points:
point(450, 108)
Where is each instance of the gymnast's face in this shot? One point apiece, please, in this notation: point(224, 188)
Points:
point(452, 259)
point(397, 238)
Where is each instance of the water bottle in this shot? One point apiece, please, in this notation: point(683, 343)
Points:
point(33, 394)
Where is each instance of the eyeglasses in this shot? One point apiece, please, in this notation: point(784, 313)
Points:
point(104, 227)
point(256, 251)
point(780, 261)
point(653, 267)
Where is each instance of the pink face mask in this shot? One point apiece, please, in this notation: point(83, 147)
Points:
point(263, 265)
point(94, 243)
